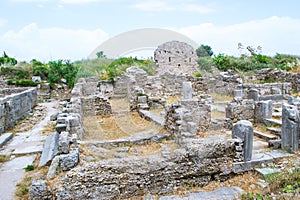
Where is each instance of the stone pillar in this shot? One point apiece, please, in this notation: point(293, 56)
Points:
point(262, 111)
point(243, 130)
point(187, 90)
point(253, 94)
point(238, 93)
point(290, 128)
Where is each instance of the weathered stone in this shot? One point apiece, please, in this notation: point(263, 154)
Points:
point(229, 193)
point(196, 164)
point(38, 190)
point(36, 79)
point(5, 138)
point(262, 111)
point(63, 143)
point(53, 167)
point(290, 128)
point(175, 57)
point(53, 117)
point(276, 144)
point(50, 149)
point(187, 90)
point(267, 171)
point(253, 94)
point(61, 128)
point(243, 130)
point(68, 161)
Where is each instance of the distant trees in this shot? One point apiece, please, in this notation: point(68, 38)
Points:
point(204, 50)
point(100, 54)
point(6, 60)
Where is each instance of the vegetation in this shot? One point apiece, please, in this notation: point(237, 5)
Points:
point(204, 50)
point(255, 62)
point(29, 168)
point(5, 60)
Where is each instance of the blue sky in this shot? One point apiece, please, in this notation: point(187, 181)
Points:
point(72, 29)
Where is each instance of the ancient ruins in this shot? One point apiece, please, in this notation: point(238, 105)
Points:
point(194, 146)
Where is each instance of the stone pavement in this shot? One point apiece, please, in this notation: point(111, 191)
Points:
point(23, 149)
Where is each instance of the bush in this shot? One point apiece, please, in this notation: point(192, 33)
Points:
point(26, 83)
point(205, 63)
point(15, 73)
point(198, 74)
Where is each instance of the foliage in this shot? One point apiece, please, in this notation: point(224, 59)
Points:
point(39, 69)
point(204, 50)
point(6, 60)
point(15, 73)
point(254, 62)
point(252, 196)
point(26, 83)
point(198, 74)
point(119, 66)
point(100, 54)
point(29, 168)
point(205, 63)
point(59, 70)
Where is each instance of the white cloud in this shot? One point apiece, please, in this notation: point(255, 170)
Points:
point(78, 1)
point(153, 6)
point(51, 43)
point(197, 8)
point(274, 34)
point(29, 1)
point(159, 6)
point(2, 22)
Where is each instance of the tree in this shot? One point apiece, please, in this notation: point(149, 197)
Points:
point(204, 50)
point(100, 54)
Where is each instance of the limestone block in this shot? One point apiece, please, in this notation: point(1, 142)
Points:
point(50, 149)
point(243, 130)
point(68, 161)
point(63, 143)
point(38, 190)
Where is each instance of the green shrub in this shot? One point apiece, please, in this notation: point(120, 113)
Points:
point(205, 63)
point(198, 74)
point(15, 73)
point(29, 168)
point(26, 83)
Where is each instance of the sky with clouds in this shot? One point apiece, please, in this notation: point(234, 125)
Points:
point(72, 29)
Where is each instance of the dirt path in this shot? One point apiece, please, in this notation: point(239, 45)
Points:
point(23, 149)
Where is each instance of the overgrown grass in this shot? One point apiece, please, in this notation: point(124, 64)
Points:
point(4, 158)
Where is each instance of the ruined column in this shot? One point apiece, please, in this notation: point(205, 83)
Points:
point(290, 128)
point(262, 111)
point(253, 94)
point(243, 130)
point(187, 90)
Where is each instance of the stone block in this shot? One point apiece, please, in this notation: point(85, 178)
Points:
point(63, 143)
point(53, 167)
point(290, 128)
point(262, 111)
point(38, 190)
point(187, 90)
point(5, 138)
point(68, 161)
point(61, 127)
point(50, 149)
point(243, 130)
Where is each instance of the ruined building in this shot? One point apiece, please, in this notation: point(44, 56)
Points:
point(176, 57)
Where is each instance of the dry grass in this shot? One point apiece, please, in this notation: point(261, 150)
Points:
point(217, 114)
point(102, 128)
point(220, 97)
point(22, 188)
point(119, 104)
point(172, 99)
point(4, 158)
point(49, 129)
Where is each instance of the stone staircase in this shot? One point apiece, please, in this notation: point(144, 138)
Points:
point(272, 134)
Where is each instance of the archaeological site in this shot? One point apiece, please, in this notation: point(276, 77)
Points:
point(170, 135)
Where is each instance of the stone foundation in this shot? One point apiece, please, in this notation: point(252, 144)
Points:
point(15, 106)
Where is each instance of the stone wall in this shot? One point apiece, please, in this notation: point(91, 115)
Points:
point(240, 109)
point(186, 118)
point(15, 106)
point(176, 57)
point(195, 164)
point(267, 88)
